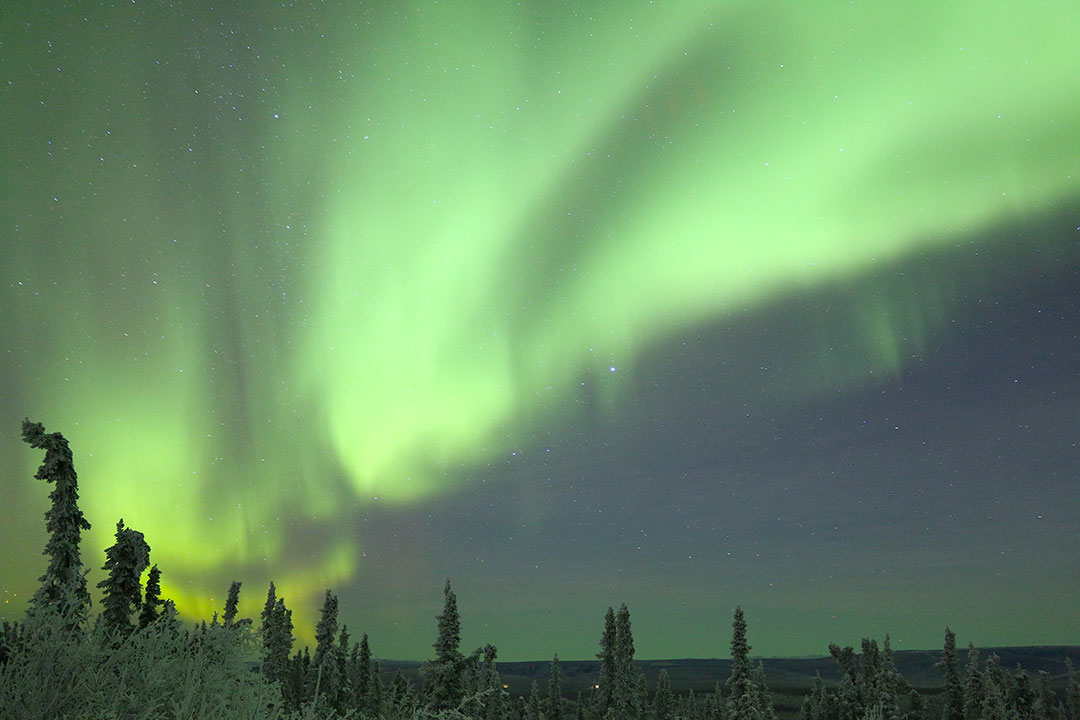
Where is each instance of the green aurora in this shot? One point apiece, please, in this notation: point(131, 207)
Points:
point(265, 268)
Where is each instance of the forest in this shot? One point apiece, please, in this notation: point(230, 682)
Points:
point(136, 659)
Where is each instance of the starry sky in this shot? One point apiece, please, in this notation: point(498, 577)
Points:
point(682, 305)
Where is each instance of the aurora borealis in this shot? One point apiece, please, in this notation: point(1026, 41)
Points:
point(683, 305)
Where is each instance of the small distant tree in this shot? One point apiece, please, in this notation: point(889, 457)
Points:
point(63, 586)
point(124, 563)
point(152, 598)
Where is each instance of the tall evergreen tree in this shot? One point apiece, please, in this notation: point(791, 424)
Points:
point(443, 684)
point(624, 692)
point(607, 664)
point(555, 698)
point(973, 686)
point(152, 598)
point(277, 637)
point(954, 690)
point(362, 676)
point(744, 701)
point(63, 586)
point(495, 699)
point(124, 562)
point(663, 706)
point(325, 671)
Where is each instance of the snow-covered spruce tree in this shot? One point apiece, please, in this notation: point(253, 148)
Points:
point(532, 709)
point(64, 578)
point(973, 686)
point(152, 598)
point(663, 705)
point(124, 562)
point(624, 691)
point(555, 698)
point(443, 687)
point(607, 665)
point(954, 690)
point(745, 698)
point(813, 705)
point(324, 676)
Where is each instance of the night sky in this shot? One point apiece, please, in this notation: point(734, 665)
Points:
point(684, 305)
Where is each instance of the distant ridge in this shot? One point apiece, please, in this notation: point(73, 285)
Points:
point(784, 675)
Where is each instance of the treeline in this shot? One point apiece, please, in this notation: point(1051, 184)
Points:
point(136, 659)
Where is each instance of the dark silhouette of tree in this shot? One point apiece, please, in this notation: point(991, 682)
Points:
point(152, 598)
point(231, 602)
point(277, 637)
point(124, 562)
point(954, 690)
point(663, 706)
point(63, 586)
point(443, 686)
point(555, 698)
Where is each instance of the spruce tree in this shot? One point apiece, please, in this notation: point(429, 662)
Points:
point(973, 686)
point(232, 600)
point(277, 637)
point(124, 562)
point(555, 698)
point(361, 676)
point(607, 664)
point(401, 703)
point(152, 598)
point(491, 684)
point(63, 586)
point(663, 706)
point(325, 670)
point(813, 706)
point(744, 701)
point(532, 710)
point(443, 685)
point(1072, 691)
point(954, 690)
point(624, 692)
